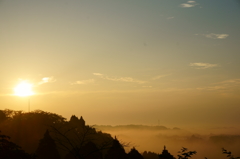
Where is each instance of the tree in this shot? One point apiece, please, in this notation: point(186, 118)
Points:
point(134, 154)
point(229, 154)
point(165, 154)
point(116, 151)
point(3, 116)
point(9, 150)
point(26, 129)
point(47, 148)
point(150, 155)
point(88, 151)
point(185, 154)
point(74, 135)
point(74, 121)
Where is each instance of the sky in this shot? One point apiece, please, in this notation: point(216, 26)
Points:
point(167, 62)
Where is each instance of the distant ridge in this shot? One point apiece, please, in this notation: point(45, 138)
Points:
point(131, 127)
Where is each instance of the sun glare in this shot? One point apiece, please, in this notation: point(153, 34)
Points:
point(23, 89)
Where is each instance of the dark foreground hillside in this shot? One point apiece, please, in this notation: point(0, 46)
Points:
point(44, 135)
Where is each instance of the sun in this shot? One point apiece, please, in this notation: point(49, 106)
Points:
point(23, 89)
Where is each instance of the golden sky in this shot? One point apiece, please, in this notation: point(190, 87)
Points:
point(123, 62)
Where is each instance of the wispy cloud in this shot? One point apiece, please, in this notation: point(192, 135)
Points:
point(216, 36)
point(223, 86)
point(211, 88)
point(84, 81)
point(119, 79)
point(147, 86)
point(97, 74)
point(47, 80)
point(160, 76)
point(188, 4)
point(203, 65)
point(231, 82)
point(124, 79)
point(170, 17)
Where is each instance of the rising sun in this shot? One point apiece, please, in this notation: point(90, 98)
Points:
point(23, 89)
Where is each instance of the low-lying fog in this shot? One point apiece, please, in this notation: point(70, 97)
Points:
point(207, 142)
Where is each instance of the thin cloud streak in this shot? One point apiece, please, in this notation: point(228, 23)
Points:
point(232, 81)
point(189, 4)
point(84, 82)
point(160, 76)
point(147, 86)
point(119, 79)
point(216, 36)
point(97, 74)
point(47, 80)
point(223, 86)
point(203, 65)
point(170, 17)
point(212, 88)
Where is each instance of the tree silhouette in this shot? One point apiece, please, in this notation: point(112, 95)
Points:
point(229, 154)
point(75, 122)
point(134, 154)
point(116, 151)
point(150, 155)
point(3, 116)
point(88, 151)
point(74, 135)
point(9, 150)
point(47, 148)
point(185, 154)
point(26, 129)
point(165, 154)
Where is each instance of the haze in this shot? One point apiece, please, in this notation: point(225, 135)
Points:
point(173, 63)
point(208, 142)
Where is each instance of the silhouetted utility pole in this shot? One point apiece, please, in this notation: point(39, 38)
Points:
point(29, 104)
